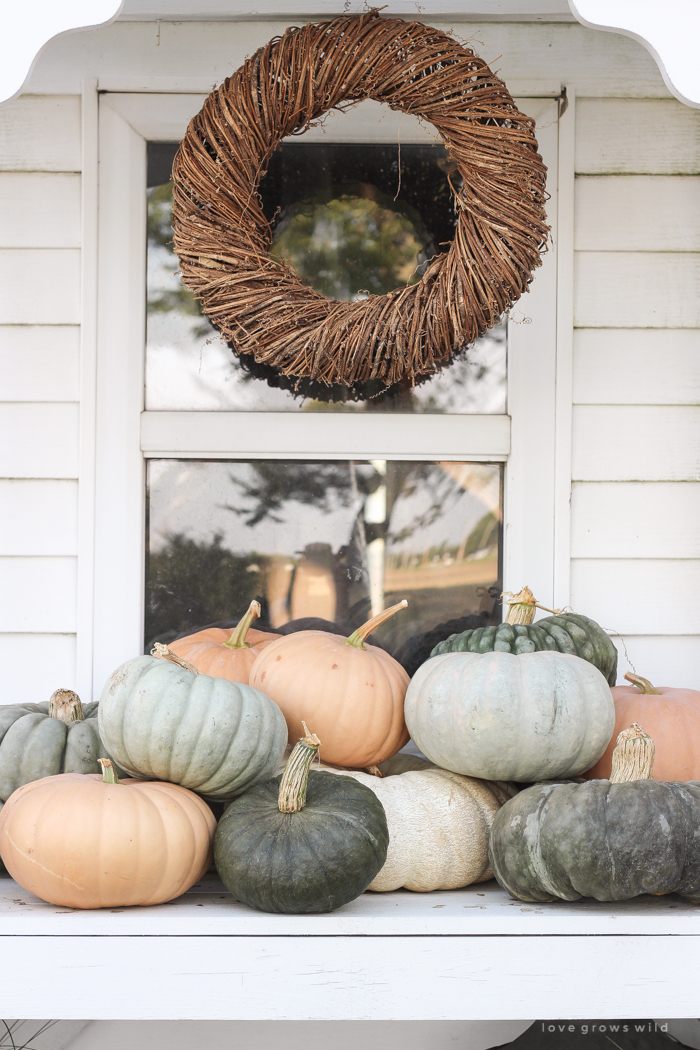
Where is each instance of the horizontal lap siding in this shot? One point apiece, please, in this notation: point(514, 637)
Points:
point(40, 236)
point(636, 422)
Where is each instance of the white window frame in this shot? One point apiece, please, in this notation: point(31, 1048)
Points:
point(533, 440)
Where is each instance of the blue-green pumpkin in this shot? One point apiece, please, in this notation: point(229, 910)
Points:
point(162, 721)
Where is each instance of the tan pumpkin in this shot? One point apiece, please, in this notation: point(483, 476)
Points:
point(439, 824)
point(91, 841)
point(350, 692)
point(670, 716)
point(222, 654)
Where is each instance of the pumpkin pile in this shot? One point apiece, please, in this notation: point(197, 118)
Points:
point(111, 804)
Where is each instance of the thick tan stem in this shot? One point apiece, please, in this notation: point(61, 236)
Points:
point(633, 757)
point(642, 684)
point(109, 773)
point(374, 771)
point(521, 607)
point(237, 639)
point(292, 793)
point(66, 706)
point(357, 638)
point(163, 653)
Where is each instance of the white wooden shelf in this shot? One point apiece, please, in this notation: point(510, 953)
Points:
point(466, 954)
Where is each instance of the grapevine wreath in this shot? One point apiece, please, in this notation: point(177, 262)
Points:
point(222, 237)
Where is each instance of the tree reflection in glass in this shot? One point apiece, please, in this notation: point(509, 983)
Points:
point(332, 539)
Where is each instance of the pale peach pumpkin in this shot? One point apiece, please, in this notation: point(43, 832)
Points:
point(222, 654)
point(82, 841)
point(670, 716)
point(350, 692)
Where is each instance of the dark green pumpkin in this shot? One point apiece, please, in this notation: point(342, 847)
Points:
point(564, 633)
point(599, 839)
point(36, 744)
point(316, 859)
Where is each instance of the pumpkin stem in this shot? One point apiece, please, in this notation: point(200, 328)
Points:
point(109, 773)
point(237, 639)
point(292, 795)
point(521, 608)
point(161, 652)
point(642, 684)
point(633, 757)
point(357, 638)
point(374, 771)
point(66, 706)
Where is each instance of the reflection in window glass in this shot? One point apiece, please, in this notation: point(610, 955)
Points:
point(333, 539)
point(351, 228)
point(336, 540)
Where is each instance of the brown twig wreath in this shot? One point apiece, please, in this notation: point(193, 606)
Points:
point(222, 236)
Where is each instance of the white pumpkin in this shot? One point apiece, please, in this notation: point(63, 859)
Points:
point(439, 824)
point(536, 716)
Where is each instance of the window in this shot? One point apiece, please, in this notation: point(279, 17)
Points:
point(443, 494)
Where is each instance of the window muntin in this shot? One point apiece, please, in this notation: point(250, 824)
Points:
point(334, 539)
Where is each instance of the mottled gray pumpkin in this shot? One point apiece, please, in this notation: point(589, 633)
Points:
point(160, 721)
point(497, 716)
point(36, 744)
point(599, 839)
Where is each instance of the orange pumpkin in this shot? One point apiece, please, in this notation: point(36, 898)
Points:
point(352, 693)
point(670, 716)
point(91, 841)
point(220, 654)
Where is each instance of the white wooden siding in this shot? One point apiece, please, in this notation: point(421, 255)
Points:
point(669, 660)
point(40, 134)
point(40, 236)
point(38, 517)
point(637, 290)
point(42, 594)
point(39, 210)
point(635, 520)
point(639, 596)
point(625, 136)
point(636, 443)
point(34, 665)
point(608, 210)
point(38, 440)
point(636, 423)
point(40, 286)
point(39, 362)
point(636, 366)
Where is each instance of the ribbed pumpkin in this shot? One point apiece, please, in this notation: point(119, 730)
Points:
point(89, 841)
point(40, 740)
point(303, 842)
point(161, 720)
point(608, 839)
point(672, 719)
point(439, 824)
point(503, 717)
point(563, 633)
point(223, 654)
point(352, 693)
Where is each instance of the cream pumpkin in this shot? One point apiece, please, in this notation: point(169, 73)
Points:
point(225, 654)
point(351, 693)
point(82, 841)
point(439, 824)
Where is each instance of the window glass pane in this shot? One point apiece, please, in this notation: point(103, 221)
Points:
point(334, 539)
point(352, 224)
